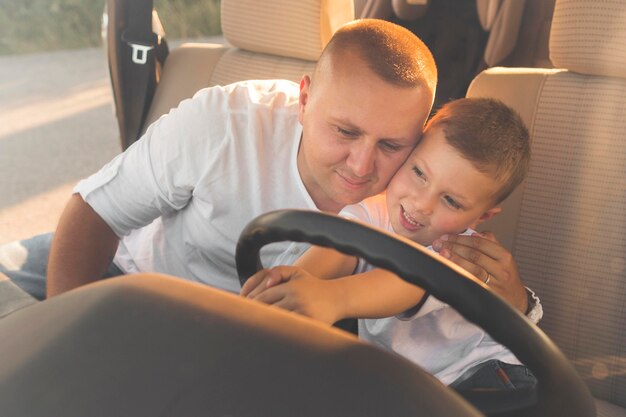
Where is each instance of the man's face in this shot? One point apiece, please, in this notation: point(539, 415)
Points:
point(438, 192)
point(357, 131)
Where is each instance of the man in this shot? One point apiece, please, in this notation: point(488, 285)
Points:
point(176, 201)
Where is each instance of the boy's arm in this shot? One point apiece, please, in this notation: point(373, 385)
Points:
point(326, 263)
point(318, 261)
point(374, 294)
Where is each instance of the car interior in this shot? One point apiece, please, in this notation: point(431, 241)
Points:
point(153, 345)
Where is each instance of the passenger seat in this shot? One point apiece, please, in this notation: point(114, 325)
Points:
point(566, 226)
point(265, 43)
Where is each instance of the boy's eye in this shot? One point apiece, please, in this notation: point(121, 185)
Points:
point(452, 203)
point(418, 172)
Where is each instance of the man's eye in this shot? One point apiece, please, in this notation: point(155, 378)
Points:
point(390, 147)
point(345, 132)
point(452, 203)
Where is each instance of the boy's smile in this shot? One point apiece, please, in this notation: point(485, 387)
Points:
point(408, 222)
point(437, 192)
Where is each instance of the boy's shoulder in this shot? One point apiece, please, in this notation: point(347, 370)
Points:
point(372, 210)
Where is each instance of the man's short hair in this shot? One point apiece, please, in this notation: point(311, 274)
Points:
point(489, 134)
point(392, 52)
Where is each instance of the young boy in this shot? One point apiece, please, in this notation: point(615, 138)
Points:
point(473, 154)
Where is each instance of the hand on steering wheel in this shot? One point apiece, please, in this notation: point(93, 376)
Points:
point(293, 289)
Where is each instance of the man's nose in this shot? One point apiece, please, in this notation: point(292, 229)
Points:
point(361, 160)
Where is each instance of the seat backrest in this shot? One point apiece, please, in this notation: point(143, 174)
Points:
point(268, 39)
point(149, 345)
point(502, 19)
point(531, 49)
point(372, 9)
point(566, 224)
point(518, 32)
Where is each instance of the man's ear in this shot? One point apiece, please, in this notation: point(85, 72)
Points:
point(488, 215)
point(305, 85)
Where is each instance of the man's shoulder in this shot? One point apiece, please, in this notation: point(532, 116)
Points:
point(260, 91)
point(273, 96)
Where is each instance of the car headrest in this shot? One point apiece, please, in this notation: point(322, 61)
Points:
point(502, 19)
point(408, 10)
point(487, 12)
point(295, 29)
point(588, 37)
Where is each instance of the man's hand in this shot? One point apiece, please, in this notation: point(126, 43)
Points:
point(483, 256)
point(294, 289)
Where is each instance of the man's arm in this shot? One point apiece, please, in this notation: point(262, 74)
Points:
point(484, 257)
point(82, 249)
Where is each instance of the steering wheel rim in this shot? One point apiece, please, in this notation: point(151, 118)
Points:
point(560, 390)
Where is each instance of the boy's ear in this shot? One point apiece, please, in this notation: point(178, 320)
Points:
point(488, 214)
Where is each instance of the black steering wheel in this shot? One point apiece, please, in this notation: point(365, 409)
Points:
point(560, 389)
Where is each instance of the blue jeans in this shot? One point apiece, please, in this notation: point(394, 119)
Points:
point(25, 263)
point(494, 374)
point(494, 386)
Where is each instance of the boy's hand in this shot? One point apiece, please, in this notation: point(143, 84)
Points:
point(263, 279)
point(482, 255)
point(298, 291)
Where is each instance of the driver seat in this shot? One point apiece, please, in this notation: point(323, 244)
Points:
point(152, 345)
point(565, 226)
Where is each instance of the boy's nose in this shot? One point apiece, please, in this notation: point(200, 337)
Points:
point(424, 204)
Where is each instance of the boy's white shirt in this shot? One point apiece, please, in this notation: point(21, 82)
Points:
point(436, 337)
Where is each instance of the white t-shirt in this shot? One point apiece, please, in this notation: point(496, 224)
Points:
point(180, 196)
point(436, 337)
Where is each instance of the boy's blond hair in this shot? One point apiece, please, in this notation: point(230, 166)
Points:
point(490, 135)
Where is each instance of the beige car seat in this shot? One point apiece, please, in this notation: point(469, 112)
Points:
point(502, 19)
point(372, 9)
point(518, 32)
point(566, 225)
point(264, 42)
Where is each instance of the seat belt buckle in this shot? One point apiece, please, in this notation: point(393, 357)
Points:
point(140, 52)
point(140, 46)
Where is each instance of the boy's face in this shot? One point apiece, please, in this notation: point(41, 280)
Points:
point(438, 192)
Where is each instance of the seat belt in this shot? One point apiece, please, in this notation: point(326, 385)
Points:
point(138, 65)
